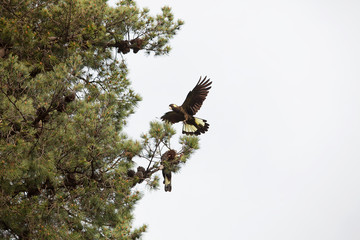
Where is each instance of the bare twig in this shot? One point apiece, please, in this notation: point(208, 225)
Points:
point(153, 154)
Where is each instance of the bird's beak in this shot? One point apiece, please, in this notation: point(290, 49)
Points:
point(170, 108)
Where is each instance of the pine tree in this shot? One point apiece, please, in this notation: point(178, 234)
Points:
point(67, 169)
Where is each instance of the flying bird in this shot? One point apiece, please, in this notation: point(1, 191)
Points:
point(193, 102)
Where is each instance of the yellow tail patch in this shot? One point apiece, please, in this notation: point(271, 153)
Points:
point(200, 122)
point(167, 181)
point(189, 128)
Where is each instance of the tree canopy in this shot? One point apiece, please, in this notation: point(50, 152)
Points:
point(67, 168)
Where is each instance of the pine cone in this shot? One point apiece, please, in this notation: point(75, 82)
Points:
point(35, 72)
point(141, 169)
point(123, 46)
point(61, 106)
point(131, 173)
point(70, 180)
point(2, 52)
point(70, 97)
point(137, 44)
point(141, 173)
point(42, 114)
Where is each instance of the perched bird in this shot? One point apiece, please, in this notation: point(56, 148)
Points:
point(192, 125)
point(167, 162)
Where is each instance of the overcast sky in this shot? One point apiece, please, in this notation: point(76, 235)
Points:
point(281, 159)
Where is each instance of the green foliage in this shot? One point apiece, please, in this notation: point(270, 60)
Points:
point(156, 144)
point(189, 145)
point(64, 100)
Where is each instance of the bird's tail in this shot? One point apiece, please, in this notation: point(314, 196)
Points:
point(167, 183)
point(167, 179)
point(195, 127)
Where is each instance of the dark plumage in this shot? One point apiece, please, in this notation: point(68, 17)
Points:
point(167, 160)
point(167, 179)
point(192, 104)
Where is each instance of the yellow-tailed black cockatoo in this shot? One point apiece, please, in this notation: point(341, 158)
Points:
point(192, 104)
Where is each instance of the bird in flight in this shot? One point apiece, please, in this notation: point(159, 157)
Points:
point(193, 102)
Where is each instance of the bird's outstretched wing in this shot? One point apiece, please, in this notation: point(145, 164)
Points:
point(173, 117)
point(196, 97)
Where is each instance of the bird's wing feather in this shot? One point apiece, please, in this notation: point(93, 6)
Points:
point(172, 117)
point(196, 97)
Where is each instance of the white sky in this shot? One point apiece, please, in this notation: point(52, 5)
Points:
point(281, 159)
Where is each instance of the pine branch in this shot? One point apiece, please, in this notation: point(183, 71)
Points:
point(14, 105)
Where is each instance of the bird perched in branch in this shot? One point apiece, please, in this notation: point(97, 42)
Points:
point(167, 162)
point(192, 125)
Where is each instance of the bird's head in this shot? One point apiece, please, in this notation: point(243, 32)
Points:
point(173, 107)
